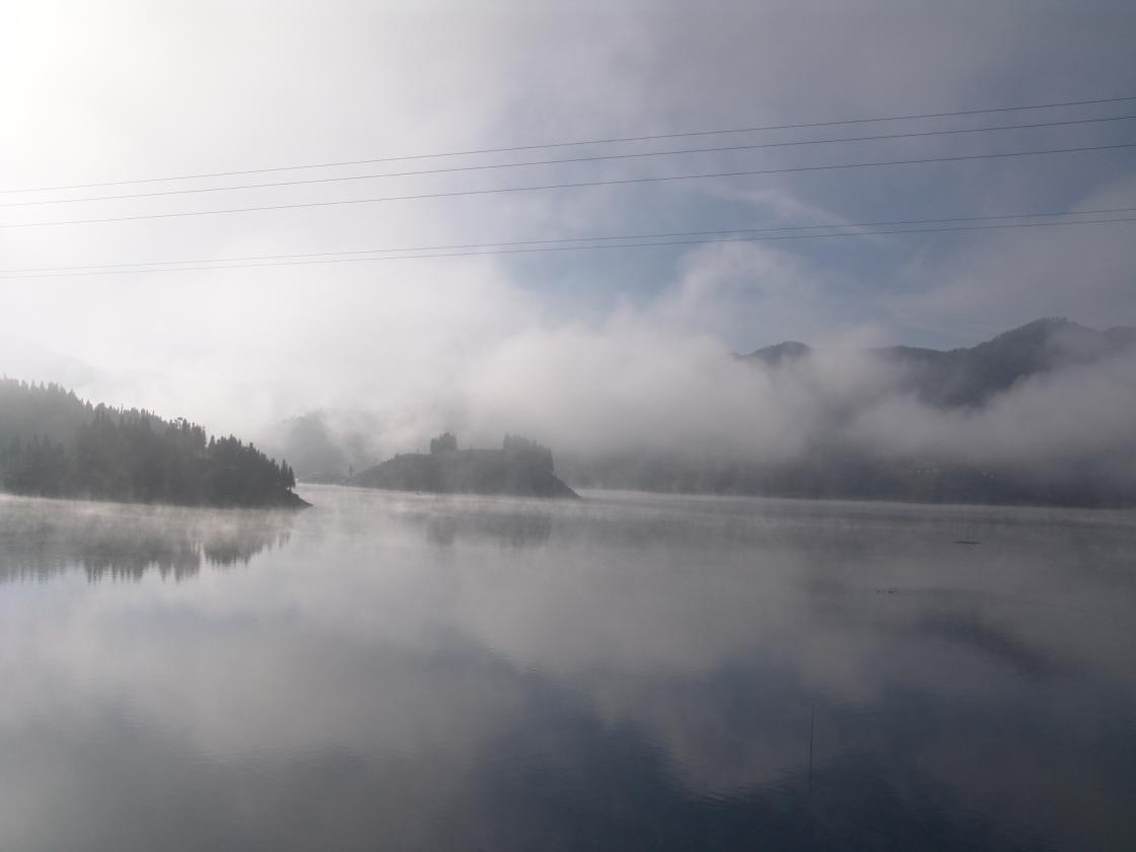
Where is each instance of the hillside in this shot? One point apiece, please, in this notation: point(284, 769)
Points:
point(958, 387)
point(925, 394)
point(520, 468)
point(54, 444)
point(971, 376)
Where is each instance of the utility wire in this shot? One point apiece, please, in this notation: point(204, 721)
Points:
point(547, 249)
point(565, 160)
point(445, 247)
point(563, 144)
point(568, 185)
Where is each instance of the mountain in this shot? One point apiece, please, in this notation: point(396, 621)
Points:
point(928, 398)
point(942, 404)
point(780, 353)
point(54, 444)
point(970, 377)
point(521, 468)
point(328, 445)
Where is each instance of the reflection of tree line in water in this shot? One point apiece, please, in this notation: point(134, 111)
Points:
point(791, 524)
point(129, 546)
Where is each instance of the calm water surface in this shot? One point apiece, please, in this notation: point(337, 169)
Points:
point(627, 672)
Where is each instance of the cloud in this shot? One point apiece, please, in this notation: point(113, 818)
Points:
point(1077, 414)
point(587, 348)
point(1085, 272)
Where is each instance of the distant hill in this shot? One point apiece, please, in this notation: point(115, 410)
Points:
point(520, 468)
point(780, 353)
point(54, 444)
point(328, 445)
point(972, 376)
point(958, 382)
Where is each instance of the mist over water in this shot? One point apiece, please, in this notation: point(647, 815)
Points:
point(879, 251)
point(620, 672)
point(40, 538)
point(1045, 409)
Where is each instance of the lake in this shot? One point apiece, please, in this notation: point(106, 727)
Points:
point(625, 672)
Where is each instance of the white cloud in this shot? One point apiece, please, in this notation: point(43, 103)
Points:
point(125, 90)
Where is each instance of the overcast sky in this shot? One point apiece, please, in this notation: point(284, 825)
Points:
point(105, 91)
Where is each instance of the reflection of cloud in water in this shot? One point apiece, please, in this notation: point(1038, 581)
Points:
point(641, 679)
point(39, 538)
point(539, 772)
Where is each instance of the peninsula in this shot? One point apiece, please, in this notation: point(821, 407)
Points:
point(54, 444)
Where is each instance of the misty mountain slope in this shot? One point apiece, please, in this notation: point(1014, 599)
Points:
point(520, 468)
point(971, 376)
point(327, 445)
point(314, 449)
point(54, 444)
point(780, 353)
point(1041, 414)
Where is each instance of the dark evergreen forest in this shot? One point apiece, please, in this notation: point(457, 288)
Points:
point(54, 444)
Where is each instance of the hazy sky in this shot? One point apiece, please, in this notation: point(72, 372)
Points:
point(104, 91)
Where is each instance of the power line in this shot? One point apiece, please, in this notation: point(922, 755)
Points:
point(584, 239)
point(567, 160)
point(578, 142)
point(568, 185)
point(64, 272)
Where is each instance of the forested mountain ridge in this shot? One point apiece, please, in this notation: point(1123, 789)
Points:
point(952, 419)
point(971, 376)
point(54, 444)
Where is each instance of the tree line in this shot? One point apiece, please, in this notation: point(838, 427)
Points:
point(54, 444)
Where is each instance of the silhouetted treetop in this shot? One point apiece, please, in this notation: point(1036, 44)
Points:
point(447, 442)
point(521, 467)
point(54, 444)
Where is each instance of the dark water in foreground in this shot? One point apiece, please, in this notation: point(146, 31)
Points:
point(627, 672)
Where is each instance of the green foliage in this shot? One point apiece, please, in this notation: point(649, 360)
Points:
point(54, 444)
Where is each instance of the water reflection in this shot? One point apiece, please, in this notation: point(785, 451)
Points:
point(40, 538)
point(620, 673)
point(495, 527)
